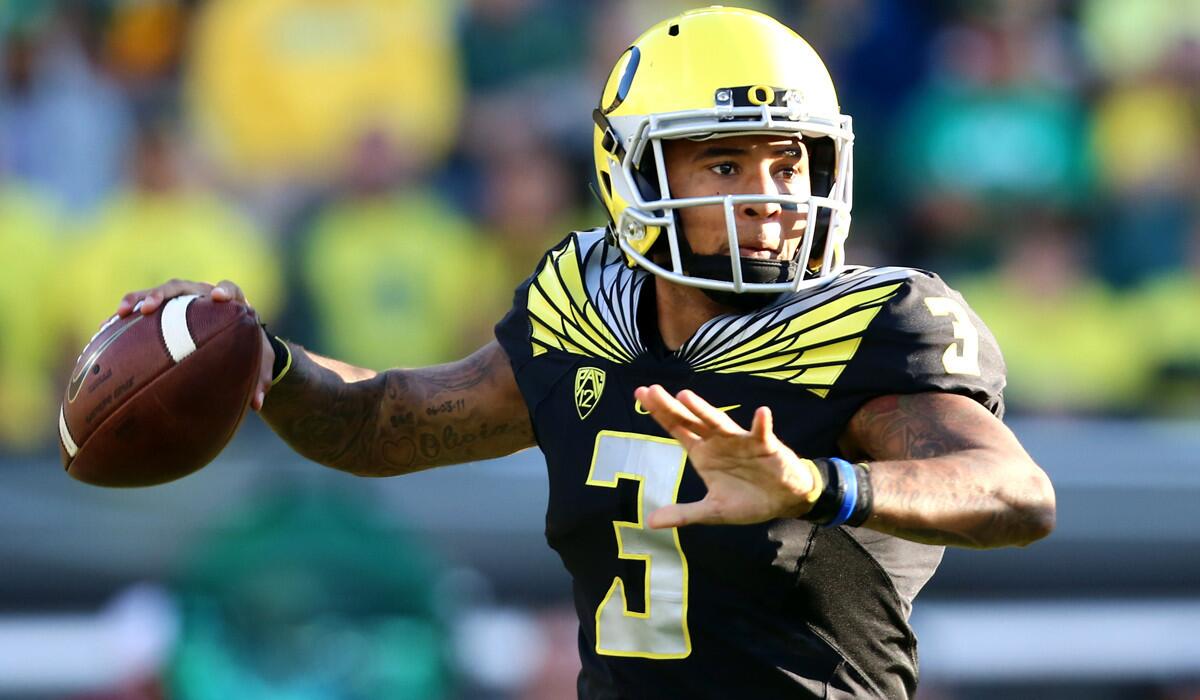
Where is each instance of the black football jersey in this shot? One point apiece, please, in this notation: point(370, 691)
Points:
point(781, 609)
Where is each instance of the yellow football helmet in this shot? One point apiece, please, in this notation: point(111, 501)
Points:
point(712, 73)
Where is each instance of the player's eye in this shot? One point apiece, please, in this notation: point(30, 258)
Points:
point(724, 169)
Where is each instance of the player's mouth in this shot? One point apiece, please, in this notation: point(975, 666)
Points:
point(758, 251)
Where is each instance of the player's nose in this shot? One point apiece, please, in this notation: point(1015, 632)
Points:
point(761, 181)
point(761, 210)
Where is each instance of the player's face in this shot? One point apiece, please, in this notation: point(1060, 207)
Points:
point(757, 164)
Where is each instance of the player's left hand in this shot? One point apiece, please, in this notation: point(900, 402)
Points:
point(751, 476)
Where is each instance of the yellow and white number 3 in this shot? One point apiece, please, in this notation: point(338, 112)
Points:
point(962, 356)
point(661, 631)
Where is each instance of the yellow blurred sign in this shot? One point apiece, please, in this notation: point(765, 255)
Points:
point(285, 84)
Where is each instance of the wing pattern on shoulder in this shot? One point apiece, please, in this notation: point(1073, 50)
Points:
point(805, 340)
point(583, 300)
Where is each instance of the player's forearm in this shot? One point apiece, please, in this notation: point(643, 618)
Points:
point(973, 498)
point(394, 422)
point(945, 471)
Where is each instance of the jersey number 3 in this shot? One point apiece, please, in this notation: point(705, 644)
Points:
point(962, 357)
point(660, 631)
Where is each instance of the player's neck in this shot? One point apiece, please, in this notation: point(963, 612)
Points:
point(681, 311)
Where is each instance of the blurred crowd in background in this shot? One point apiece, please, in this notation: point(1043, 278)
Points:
point(379, 175)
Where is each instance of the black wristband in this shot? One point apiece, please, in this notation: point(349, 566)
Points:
point(833, 491)
point(283, 355)
point(833, 495)
point(865, 504)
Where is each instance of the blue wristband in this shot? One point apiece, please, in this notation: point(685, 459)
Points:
point(850, 492)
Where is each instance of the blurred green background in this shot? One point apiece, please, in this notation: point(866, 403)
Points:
point(379, 175)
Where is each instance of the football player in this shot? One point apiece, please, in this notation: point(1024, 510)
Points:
point(756, 452)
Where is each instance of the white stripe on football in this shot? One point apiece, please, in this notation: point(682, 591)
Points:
point(175, 332)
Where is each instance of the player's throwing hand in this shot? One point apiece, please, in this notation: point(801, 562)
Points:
point(147, 302)
point(751, 476)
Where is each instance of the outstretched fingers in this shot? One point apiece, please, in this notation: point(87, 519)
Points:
point(763, 426)
point(681, 514)
point(674, 417)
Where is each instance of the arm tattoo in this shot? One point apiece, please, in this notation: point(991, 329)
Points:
point(948, 472)
point(401, 421)
point(914, 426)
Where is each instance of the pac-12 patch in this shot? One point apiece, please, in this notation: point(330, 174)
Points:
point(589, 385)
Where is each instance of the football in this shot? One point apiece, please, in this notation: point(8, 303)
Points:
point(155, 397)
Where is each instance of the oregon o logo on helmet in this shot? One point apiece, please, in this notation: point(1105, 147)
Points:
point(761, 95)
point(631, 66)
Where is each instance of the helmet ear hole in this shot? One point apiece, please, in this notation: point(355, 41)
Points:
point(645, 176)
point(606, 183)
point(822, 159)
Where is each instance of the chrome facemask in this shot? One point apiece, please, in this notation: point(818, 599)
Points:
point(814, 267)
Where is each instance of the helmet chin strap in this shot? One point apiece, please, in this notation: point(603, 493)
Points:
point(717, 267)
point(754, 271)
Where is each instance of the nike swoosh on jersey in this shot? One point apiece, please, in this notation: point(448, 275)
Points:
point(637, 408)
